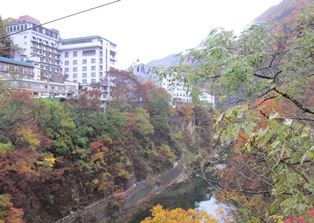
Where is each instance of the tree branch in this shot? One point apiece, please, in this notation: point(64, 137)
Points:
point(294, 101)
point(263, 77)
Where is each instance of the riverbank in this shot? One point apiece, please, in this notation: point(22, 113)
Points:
point(111, 209)
point(145, 203)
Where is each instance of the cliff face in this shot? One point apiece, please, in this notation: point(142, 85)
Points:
point(282, 16)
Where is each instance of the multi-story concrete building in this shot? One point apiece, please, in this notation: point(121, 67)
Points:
point(38, 44)
point(87, 59)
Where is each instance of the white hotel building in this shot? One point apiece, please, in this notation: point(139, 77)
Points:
point(39, 45)
point(86, 60)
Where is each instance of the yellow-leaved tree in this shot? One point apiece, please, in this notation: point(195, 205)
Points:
point(178, 215)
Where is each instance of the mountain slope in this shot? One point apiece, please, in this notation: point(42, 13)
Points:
point(280, 17)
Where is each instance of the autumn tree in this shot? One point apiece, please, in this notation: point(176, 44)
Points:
point(269, 145)
point(126, 90)
point(16, 112)
point(8, 212)
point(178, 215)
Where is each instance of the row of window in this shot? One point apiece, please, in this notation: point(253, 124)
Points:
point(41, 40)
point(74, 69)
point(46, 32)
point(181, 95)
point(84, 75)
point(47, 68)
point(16, 68)
point(16, 28)
point(84, 61)
point(40, 46)
point(41, 52)
point(84, 53)
point(84, 81)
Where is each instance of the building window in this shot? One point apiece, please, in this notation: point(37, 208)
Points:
point(93, 67)
point(84, 75)
point(89, 52)
point(84, 61)
point(66, 70)
point(93, 60)
point(66, 62)
point(100, 74)
point(74, 75)
point(25, 37)
point(93, 74)
point(66, 54)
point(84, 68)
point(74, 61)
point(75, 53)
point(93, 80)
point(84, 81)
point(74, 69)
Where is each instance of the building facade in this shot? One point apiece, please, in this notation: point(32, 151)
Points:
point(21, 75)
point(177, 90)
point(86, 60)
point(38, 44)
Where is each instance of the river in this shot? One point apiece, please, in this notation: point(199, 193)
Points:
point(192, 193)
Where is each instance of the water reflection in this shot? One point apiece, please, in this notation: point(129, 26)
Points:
point(212, 207)
point(194, 193)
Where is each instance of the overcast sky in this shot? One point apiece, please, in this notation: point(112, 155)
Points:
point(142, 29)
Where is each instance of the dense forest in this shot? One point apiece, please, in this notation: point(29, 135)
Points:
point(58, 156)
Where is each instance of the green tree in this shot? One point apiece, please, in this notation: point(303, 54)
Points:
point(270, 151)
point(159, 109)
point(56, 123)
point(7, 48)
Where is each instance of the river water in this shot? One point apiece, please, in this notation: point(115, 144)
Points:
point(193, 193)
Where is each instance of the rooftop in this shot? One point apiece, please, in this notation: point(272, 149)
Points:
point(85, 39)
point(27, 18)
point(17, 62)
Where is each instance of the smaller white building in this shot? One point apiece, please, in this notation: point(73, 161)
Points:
point(179, 93)
point(21, 75)
point(177, 90)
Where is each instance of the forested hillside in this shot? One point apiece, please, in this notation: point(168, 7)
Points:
point(284, 15)
point(59, 156)
point(267, 139)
